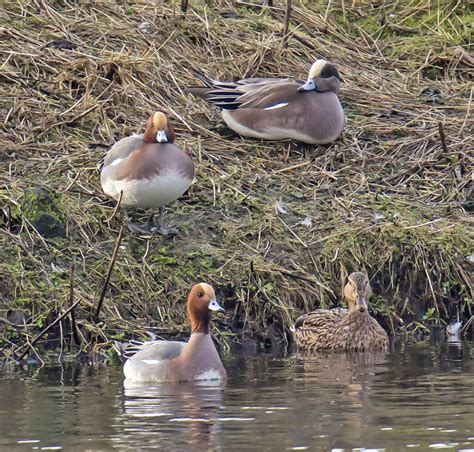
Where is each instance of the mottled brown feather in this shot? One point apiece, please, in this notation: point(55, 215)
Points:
point(342, 329)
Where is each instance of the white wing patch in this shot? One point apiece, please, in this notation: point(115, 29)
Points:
point(115, 162)
point(151, 361)
point(274, 107)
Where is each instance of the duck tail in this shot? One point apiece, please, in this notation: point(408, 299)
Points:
point(208, 82)
point(126, 350)
point(120, 349)
point(210, 85)
point(198, 91)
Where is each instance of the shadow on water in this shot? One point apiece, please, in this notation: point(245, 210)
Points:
point(418, 396)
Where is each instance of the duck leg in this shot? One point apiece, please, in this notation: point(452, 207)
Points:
point(158, 227)
point(135, 228)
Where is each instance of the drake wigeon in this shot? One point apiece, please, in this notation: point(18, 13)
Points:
point(352, 329)
point(174, 361)
point(149, 170)
point(279, 109)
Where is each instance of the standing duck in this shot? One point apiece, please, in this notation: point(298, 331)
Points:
point(149, 170)
point(280, 109)
point(197, 359)
point(352, 329)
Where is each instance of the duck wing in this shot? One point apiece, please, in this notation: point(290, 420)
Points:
point(159, 350)
point(320, 318)
point(121, 149)
point(149, 350)
point(247, 93)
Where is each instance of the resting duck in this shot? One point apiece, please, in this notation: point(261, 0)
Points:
point(350, 329)
point(174, 361)
point(279, 109)
point(149, 169)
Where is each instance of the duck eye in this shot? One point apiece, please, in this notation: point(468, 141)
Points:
point(200, 294)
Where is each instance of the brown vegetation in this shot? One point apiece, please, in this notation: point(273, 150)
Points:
point(390, 198)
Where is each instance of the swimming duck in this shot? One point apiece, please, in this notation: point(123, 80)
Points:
point(197, 359)
point(352, 329)
point(279, 109)
point(149, 170)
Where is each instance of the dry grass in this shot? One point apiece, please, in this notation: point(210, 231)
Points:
point(387, 197)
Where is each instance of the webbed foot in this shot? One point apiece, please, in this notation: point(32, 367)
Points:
point(139, 229)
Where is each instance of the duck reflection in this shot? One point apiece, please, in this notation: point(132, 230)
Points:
point(343, 380)
point(343, 368)
point(171, 416)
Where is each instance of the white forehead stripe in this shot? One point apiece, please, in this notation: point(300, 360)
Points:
point(274, 107)
point(316, 68)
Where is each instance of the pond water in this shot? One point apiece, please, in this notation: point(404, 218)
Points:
point(419, 396)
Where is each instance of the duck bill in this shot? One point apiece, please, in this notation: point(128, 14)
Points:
point(361, 304)
point(161, 136)
point(308, 86)
point(215, 306)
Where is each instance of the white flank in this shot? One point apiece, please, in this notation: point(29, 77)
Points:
point(271, 133)
point(209, 374)
point(278, 133)
point(274, 107)
point(156, 192)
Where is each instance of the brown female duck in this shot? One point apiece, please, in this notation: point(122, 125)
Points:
point(352, 329)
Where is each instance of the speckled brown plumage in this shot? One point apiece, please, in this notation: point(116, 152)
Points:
point(352, 329)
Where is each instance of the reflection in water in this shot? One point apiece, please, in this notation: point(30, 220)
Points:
point(417, 395)
point(192, 406)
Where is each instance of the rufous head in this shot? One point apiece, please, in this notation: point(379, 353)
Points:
point(323, 76)
point(158, 129)
point(357, 292)
point(201, 302)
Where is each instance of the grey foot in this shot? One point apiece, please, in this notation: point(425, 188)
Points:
point(139, 229)
point(167, 232)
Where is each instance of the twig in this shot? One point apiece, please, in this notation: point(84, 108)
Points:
point(75, 333)
point(8, 216)
point(304, 41)
point(287, 22)
point(43, 332)
point(109, 273)
point(443, 137)
point(116, 208)
point(13, 325)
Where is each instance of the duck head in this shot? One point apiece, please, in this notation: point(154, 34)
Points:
point(323, 76)
point(357, 292)
point(158, 129)
point(201, 302)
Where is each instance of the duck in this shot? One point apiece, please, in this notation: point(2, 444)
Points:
point(147, 171)
point(339, 329)
point(157, 361)
point(281, 109)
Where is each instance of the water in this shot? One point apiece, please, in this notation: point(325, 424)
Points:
point(418, 397)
